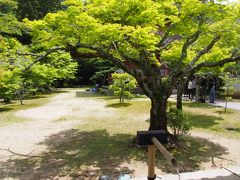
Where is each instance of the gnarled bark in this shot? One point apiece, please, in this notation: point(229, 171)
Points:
point(158, 114)
point(179, 97)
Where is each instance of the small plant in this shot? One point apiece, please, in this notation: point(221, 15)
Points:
point(228, 88)
point(122, 85)
point(178, 121)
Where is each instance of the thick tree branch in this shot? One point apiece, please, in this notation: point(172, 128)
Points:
point(216, 64)
point(122, 55)
point(75, 53)
point(167, 42)
point(104, 55)
point(28, 54)
point(205, 50)
point(165, 36)
point(140, 77)
point(188, 42)
point(41, 56)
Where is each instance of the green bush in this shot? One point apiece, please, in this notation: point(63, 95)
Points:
point(122, 86)
point(103, 91)
point(178, 121)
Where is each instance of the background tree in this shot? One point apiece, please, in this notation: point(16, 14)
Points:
point(102, 71)
point(37, 9)
point(142, 37)
point(23, 74)
point(122, 85)
point(8, 22)
point(228, 88)
point(10, 82)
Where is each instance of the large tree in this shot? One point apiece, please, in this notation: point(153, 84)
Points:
point(147, 39)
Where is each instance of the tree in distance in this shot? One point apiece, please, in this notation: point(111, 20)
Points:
point(122, 85)
point(228, 88)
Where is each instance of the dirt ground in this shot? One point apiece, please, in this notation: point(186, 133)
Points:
point(25, 138)
point(231, 158)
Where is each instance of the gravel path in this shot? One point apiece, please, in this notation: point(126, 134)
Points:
point(231, 104)
point(25, 137)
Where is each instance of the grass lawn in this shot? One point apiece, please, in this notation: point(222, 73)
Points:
point(7, 111)
point(213, 119)
point(134, 115)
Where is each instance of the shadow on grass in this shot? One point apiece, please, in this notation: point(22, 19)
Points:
point(203, 121)
point(119, 105)
point(198, 105)
point(229, 111)
point(233, 129)
point(101, 96)
point(2, 109)
point(86, 155)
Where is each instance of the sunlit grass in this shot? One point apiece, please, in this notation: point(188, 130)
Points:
point(129, 117)
point(213, 119)
point(133, 115)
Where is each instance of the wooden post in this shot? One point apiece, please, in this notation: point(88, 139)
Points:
point(151, 162)
point(165, 152)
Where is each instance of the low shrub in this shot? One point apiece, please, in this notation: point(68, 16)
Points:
point(178, 121)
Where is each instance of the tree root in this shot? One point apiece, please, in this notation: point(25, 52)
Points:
point(19, 154)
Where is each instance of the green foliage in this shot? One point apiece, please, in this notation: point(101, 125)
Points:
point(233, 68)
point(7, 6)
point(10, 82)
point(21, 75)
point(36, 9)
point(8, 21)
point(178, 121)
point(122, 85)
point(102, 69)
point(102, 22)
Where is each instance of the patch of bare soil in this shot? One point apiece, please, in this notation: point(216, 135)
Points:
point(230, 158)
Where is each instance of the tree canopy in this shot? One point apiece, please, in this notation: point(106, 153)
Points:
point(144, 38)
point(157, 42)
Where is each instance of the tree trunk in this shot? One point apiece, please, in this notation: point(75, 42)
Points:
point(179, 97)
point(158, 114)
point(20, 98)
point(121, 97)
point(225, 109)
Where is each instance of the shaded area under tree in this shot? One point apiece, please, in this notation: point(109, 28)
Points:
point(88, 154)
